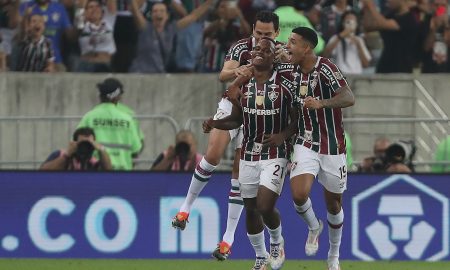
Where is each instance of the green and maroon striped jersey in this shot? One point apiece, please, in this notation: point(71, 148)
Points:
point(320, 130)
point(265, 110)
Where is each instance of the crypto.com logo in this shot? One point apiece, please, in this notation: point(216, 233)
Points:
point(400, 218)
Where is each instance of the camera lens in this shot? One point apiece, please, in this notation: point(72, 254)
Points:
point(85, 149)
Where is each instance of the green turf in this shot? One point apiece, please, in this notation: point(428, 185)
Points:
point(78, 264)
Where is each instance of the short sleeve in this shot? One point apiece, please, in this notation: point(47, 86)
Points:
point(54, 155)
point(236, 51)
point(331, 73)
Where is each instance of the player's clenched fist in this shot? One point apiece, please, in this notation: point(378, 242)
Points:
point(208, 125)
point(312, 103)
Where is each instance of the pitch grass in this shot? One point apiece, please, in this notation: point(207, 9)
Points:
point(113, 264)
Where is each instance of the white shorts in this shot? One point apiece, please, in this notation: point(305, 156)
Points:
point(269, 173)
point(224, 109)
point(331, 170)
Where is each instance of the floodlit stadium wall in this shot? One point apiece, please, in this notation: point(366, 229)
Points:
point(128, 215)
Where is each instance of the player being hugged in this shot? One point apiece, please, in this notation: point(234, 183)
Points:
point(265, 107)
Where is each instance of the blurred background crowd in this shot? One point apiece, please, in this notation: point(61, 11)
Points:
point(158, 36)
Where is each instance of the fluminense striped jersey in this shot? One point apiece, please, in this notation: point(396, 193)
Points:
point(320, 130)
point(265, 110)
point(34, 56)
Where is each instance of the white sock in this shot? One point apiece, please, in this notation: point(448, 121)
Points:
point(200, 178)
point(335, 223)
point(307, 213)
point(258, 243)
point(275, 235)
point(235, 206)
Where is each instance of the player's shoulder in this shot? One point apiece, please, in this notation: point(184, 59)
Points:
point(326, 66)
point(241, 44)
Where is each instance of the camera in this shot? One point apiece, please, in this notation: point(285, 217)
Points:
point(182, 149)
point(84, 151)
point(402, 151)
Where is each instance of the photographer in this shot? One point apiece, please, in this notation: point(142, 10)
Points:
point(375, 163)
point(79, 154)
point(398, 157)
point(181, 157)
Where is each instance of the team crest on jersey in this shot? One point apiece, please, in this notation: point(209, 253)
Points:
point(273, 95)
point(55, 16)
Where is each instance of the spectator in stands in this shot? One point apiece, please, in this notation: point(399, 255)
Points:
point(114, 128)
point(442, 154)
point(125, 36)
point(347, 47)
point(293, 16)
point(181, 157)
point(188, 50)
point(96, 38)
point(226, 26)
point(437, 39)
point(399, 31)
point(330, 18)
point(79, 155)
point(375, 163)
point(156, 38)
point(9, 21)
point(34, 51)
point(56, 23)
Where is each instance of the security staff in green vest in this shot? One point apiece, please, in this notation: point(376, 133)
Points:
point(114, 128)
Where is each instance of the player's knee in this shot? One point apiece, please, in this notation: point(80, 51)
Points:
point(300, 197)
point(265, 208)
point(212, 158)
point(251, 213)
point(334, 207)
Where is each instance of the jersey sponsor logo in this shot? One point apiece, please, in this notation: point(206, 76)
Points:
point(261, 112)
point(404, 219)
point(238, 49)
point(287, 84)
point(283, 67)
point(328, 74)
point(273, 95)
point(100, 122)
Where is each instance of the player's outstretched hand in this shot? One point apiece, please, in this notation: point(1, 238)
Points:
point(208, 125)
point(273, 140)
point(312, 103)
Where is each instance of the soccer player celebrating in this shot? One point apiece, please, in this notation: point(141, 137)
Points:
point(320, 145)
point(266, 104)
point(237, 63)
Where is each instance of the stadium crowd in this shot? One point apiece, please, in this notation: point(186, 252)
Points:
point(157, 36)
